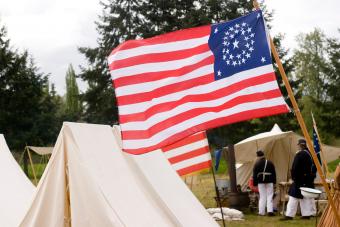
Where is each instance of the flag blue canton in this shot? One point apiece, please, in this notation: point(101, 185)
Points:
point(316, 145)
point(240, 44)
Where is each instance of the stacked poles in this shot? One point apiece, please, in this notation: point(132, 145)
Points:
point(327, 218)
point(301, 122)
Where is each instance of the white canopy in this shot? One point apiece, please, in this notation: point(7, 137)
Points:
point(16, 190)
point(108, 187)
point(41, 150)
point(279, 147)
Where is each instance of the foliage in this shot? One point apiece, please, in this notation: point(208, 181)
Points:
point(73, 106)
point(27, 107)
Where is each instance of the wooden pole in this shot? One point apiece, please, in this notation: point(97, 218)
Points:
point(301, 121)
point(32, 166)
point(323, 160)
point(217, 193)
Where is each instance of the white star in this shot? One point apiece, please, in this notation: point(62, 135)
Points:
point(252, 35)
point(216, 30)
point(231, 29)
point(248, 55)
point(244, 24)
point(228, 62)
point(242, 32)
point(243, 60)
point(237, 25)
point(231, 57)
point(243, 52)
point(223, 51)
point(247, 45)
point(237, 31)
point(235, 43)
point(225, 43)
point(252, 42)
point(238, 56)
point(239, 62)
point(251, 49)
point(232, 36)
point(219, 73)
point(258, 15)
point(227, 51)
point(249, 30)
point(246, 38)
point(263, 59)
point(234, 63)
point(224, 57)
point(226, 33)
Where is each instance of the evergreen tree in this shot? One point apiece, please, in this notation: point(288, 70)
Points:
point(73, 104)
point(25, 114)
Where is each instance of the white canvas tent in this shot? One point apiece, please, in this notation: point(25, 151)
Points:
point(89, 181)
point(279, 147)
point(16, 190)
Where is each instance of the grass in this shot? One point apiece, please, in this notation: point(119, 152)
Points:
point(204, 190)
point(38, 168)
point(332, 165)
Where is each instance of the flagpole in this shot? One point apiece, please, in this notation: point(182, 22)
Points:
point(216, 191)
point(321, 150)
point(301, 121)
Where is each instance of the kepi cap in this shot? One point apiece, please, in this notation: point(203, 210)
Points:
point(302, 141)
point(259, 153)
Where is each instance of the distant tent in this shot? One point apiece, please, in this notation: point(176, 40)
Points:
point(43, 152)
point(89, 181)
point(16, 190)
point(279, 147)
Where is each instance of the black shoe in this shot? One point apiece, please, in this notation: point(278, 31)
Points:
point(286, 218)
point(270, 214)
point(305, 217)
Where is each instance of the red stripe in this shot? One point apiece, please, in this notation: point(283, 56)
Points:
point(246, 115)
point(159, 57)
point(165, 90)
point(188, 140)
point(153, 76)
point(169, 122)
point(163, 107)
point(194, 168)
point(188, 155)
point(185, 34)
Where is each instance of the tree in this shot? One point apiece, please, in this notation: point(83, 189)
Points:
point(26, 111)
point(73, 105)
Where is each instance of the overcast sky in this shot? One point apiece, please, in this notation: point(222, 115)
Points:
point(52, 30)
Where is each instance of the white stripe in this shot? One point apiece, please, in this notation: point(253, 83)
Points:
point(208, 116)
point(192, 161)
point(158, 48)
point(150, 86)
point(186, 148)
point(202, 89)
point(159, 117)
point(159, 66)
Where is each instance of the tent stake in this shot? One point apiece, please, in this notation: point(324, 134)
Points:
point(301, 121)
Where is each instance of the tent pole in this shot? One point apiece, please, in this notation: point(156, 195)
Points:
point(217, 192)
point(301, 121)
point(31, 162)
point(67, 206)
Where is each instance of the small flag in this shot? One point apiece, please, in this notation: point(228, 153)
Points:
point(173, 85)
point(217, 155)
point(316, 144)
point(190, 154)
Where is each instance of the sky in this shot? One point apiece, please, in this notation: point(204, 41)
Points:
point(52, 30)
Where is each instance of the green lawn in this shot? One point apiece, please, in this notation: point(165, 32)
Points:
point(205, 192)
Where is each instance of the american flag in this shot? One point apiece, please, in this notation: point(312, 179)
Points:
point(316, 144)
point(190, 154)
point(173, 85)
